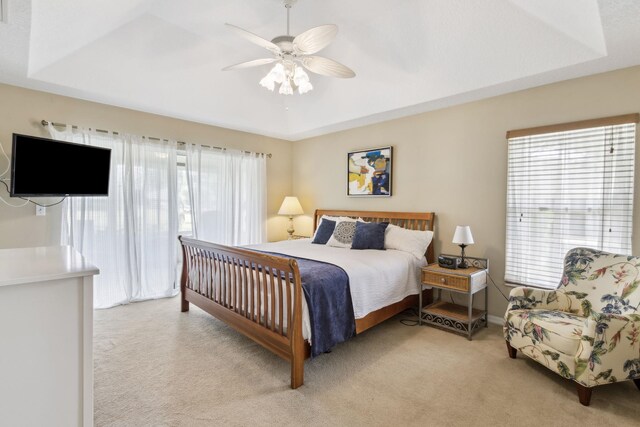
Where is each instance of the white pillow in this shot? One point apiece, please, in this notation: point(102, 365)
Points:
point(342, 236)
point(415, 242)
point(331, 218)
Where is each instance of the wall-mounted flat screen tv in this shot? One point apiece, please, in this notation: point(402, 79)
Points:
point(45, 167)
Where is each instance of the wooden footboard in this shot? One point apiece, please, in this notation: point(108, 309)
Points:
point(259, 295)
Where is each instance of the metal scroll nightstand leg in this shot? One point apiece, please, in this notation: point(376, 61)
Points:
point(420, 306)
point(470, 313)
point(486, 307)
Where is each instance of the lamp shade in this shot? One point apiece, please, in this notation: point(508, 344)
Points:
point(290, 206)
point(463, 235)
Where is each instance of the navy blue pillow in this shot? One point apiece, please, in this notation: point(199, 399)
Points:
point(325, 230)
point(369, 235)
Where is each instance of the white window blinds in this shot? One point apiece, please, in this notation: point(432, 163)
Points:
point(567, 189)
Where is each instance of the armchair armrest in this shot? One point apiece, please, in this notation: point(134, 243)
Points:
point(610, 349)
point(528, 298)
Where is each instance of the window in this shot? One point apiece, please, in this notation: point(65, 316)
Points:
point(568, 186)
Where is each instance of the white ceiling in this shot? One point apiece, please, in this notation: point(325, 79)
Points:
point(410, 56)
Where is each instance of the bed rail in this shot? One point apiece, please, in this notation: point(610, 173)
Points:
point(257, 294)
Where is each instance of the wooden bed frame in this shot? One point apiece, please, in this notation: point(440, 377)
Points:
point(229, 282)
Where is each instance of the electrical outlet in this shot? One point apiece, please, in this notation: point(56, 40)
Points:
point(41, 210)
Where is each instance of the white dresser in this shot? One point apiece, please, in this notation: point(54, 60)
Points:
point(46, 337)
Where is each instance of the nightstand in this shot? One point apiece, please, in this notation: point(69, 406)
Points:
point(468, 281)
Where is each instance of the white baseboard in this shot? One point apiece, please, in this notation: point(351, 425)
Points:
point(495, 320)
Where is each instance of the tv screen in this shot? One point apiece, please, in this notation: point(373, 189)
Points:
point(44, 167)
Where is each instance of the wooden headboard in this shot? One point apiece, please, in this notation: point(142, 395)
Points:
point(412, 220)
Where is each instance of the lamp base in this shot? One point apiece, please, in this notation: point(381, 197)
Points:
point(290, 230)
point(463, 262)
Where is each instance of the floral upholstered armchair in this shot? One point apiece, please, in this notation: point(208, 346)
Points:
point(587, 330)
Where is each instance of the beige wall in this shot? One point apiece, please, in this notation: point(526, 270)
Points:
point(451, 161)
point(454, 161)
point(21, 111)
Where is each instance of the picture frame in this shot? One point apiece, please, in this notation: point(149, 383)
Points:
point(369, 172)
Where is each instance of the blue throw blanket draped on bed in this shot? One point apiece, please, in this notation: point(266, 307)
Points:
point(326, 289)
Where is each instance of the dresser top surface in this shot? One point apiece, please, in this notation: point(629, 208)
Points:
point(39, 264)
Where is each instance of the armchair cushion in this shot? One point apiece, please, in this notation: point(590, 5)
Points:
point(611, 350)
point(558, 330)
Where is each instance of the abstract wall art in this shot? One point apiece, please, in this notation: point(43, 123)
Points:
point(369, 172)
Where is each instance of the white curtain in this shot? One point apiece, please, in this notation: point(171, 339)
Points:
point(131, 235)
point(227, 192)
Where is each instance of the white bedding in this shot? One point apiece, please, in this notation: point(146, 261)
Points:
point(376, 278)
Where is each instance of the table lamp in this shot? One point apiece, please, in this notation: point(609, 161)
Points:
point(463, 238)
point(290, 206)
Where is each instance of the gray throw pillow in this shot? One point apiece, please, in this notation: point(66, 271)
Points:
point(343, 234)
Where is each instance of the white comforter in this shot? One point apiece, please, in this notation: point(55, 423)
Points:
point(376, 278)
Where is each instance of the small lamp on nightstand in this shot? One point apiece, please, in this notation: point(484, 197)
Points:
point(290, 206)
point(463, 238)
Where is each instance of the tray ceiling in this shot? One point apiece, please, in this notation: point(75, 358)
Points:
point(410, 56)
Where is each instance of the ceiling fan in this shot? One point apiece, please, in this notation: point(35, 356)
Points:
point(292, 54)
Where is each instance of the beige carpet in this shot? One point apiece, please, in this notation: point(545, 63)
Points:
point(155, 366)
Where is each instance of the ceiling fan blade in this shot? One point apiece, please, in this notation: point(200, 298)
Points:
point(254, 38)
point(315, 39)
point(327, 67)
point(249, 64)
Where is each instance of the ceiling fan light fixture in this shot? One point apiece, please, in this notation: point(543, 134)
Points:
point(285, 88)
point(290, 77)
point(301, 80)
point(299, 76)
point(304, 87)
point(278, 73)
point(268, 82)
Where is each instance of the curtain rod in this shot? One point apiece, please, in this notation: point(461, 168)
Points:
point(46, 123)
